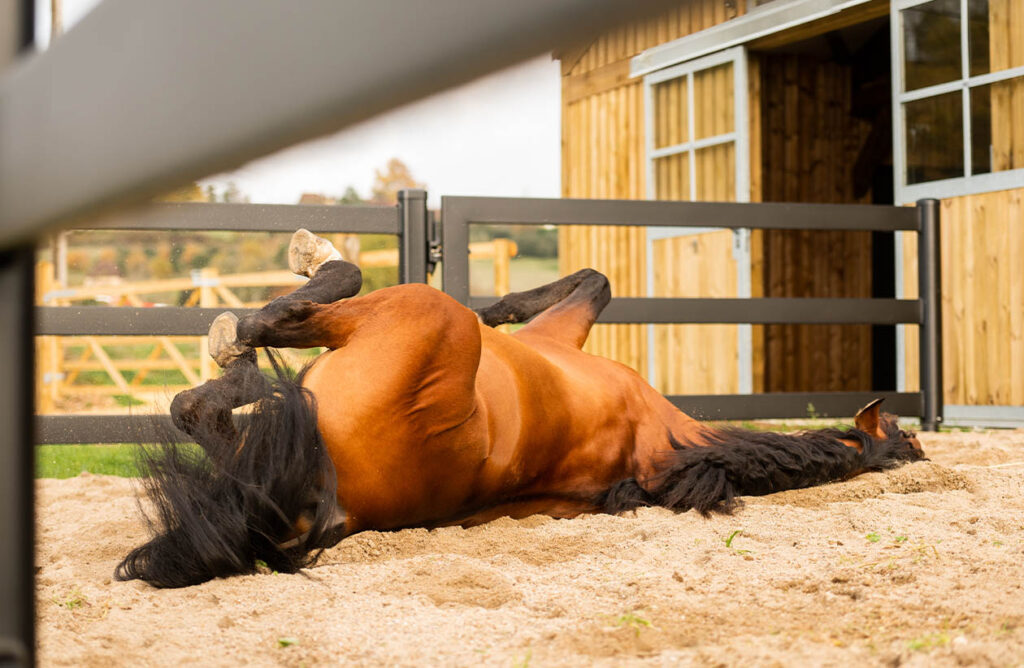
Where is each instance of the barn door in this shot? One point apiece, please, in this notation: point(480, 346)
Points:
point(697, 150)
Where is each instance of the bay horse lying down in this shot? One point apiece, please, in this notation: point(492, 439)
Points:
point(422, 415)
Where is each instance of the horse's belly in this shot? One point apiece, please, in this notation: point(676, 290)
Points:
point(395, 465)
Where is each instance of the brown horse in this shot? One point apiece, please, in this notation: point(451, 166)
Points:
point(421, 414)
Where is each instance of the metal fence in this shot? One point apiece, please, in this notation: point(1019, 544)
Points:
point(458, 213)
point(419, 240)
point(407, 220)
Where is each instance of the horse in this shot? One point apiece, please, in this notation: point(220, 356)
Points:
point(421, 414)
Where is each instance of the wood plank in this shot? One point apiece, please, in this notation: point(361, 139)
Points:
point(596, 81)
point(970, 311)
point(997, 233)
point(1015, 260)
point(851, 16)
point(108, 366)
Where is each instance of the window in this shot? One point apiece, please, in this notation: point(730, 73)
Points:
point(697, 130)
point(697, 149)
point(959, 99)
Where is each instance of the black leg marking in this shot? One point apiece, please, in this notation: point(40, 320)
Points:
point(204, 412)
point(586, 285)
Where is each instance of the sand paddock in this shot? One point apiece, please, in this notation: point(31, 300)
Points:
point(922, 565)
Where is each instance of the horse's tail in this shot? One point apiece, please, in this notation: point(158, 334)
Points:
point(735, 462)
point(220, 512)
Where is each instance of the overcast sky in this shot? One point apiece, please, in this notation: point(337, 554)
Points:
point(495, 136)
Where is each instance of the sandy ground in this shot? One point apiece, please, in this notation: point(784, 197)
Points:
point(919, 566)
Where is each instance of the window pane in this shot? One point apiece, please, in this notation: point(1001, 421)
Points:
point(997, 126)
point(935, 138)
point(931, 42)
point(977, 35)
point(713, 102)
point(716, 173)
point(672, 177)
point(995, 35)
point(670, 113)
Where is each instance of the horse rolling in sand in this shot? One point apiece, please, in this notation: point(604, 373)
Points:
point(421, 415)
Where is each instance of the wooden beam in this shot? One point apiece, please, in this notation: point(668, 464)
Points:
point(604, 78)
point(852, 16)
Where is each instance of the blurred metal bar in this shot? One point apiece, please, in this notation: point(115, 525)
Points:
point(929, 277)
point(758, 311)
point(17, 510)
point(730, 215)
point(127, 321)
point(17, 396)
point(413, 246)
point(143, 96)
point(792, 404)
point(54, 429)
point(254, 218)
point(457, 213)
point(60, 429)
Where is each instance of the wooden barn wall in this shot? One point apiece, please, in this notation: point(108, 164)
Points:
point(604, 143)
point(603, 157)
point(810, 143)
point(982, 300)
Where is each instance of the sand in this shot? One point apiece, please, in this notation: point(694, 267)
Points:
point(919, 566)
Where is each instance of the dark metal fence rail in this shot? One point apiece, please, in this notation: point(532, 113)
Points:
point(407, 220)
point(458, 213)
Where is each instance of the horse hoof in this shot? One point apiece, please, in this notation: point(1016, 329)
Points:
point(308, 252)
point(224, 345)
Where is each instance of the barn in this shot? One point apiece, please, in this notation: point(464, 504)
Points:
point(823, 101)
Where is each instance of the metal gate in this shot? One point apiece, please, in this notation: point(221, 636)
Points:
point(458, 213)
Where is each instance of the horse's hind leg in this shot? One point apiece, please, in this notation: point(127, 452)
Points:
point(204, 412)
point(565, 309)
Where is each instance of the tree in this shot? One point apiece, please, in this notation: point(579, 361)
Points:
point(350, 196)
point(232, 195)
point(395, 176)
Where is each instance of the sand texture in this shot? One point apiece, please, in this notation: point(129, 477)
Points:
point(921, 566)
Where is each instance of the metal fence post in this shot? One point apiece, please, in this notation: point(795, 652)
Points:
point(17, 511)
point(17, 396)
point(929, 272)
point(414, 246)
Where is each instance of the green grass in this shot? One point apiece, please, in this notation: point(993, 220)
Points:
point(67, 461)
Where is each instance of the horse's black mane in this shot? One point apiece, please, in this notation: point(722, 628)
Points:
point(220, 511)
point(735, 462)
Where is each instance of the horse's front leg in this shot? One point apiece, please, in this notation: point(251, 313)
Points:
point(204, 412)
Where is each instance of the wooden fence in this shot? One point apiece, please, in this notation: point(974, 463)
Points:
point(124, 362)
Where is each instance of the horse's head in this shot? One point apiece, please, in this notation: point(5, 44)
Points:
point(883, 426)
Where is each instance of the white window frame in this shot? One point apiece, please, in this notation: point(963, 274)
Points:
point(740, 138)
point(969, 183)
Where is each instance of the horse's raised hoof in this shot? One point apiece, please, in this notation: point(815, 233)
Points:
point(307, 252)
point(224, 345)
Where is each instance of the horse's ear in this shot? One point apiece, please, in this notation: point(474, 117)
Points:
point(867, 418)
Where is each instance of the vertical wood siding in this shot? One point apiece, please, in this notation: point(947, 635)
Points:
point(982, 299)
point(1006, 50)
point(810, 143)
